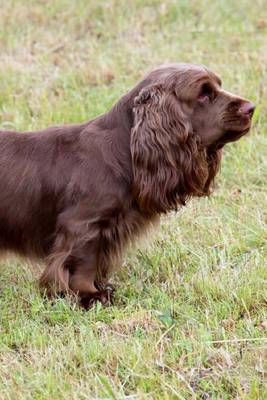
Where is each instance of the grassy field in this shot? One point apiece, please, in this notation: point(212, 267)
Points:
point(189, 320)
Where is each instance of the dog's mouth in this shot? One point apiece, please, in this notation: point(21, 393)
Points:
point(235, 134)
point(235, 129)
point(231, 136)
point(238, 125)
point(238, 118)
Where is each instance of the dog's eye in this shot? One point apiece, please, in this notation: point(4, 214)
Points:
point(206, 93)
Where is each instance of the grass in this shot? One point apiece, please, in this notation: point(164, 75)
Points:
point(189, 321)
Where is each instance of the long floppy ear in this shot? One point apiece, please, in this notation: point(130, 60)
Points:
point(168, 163)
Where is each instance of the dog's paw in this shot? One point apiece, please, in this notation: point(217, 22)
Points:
point(104, 296)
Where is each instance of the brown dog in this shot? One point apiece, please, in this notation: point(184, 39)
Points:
point(75, 195)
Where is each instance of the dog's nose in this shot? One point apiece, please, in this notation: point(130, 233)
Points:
point(247, 109)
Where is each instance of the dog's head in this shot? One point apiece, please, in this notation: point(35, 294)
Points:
point(182, 119)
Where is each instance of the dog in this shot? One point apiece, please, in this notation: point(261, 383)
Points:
point(76, 195)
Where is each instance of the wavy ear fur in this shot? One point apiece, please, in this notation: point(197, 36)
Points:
point(169, 163)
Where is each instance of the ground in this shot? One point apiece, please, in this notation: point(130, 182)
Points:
point(189, 320)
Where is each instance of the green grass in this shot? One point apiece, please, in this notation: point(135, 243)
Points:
point(189, 320)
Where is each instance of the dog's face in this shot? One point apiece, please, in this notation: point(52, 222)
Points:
point(217, 116)
point(182, 119)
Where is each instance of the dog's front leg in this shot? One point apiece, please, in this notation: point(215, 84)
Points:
point(73, 265)
point(84, 275)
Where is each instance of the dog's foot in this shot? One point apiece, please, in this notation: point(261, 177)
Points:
point(105, 296)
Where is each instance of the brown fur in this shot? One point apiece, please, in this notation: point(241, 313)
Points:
point(76, 195)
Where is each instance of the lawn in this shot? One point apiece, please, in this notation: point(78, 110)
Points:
point(190, 319)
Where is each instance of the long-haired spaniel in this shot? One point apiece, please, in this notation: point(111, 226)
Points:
point(76, 195)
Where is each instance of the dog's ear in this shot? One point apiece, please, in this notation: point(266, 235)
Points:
point(150, 94)
point(167, 163)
